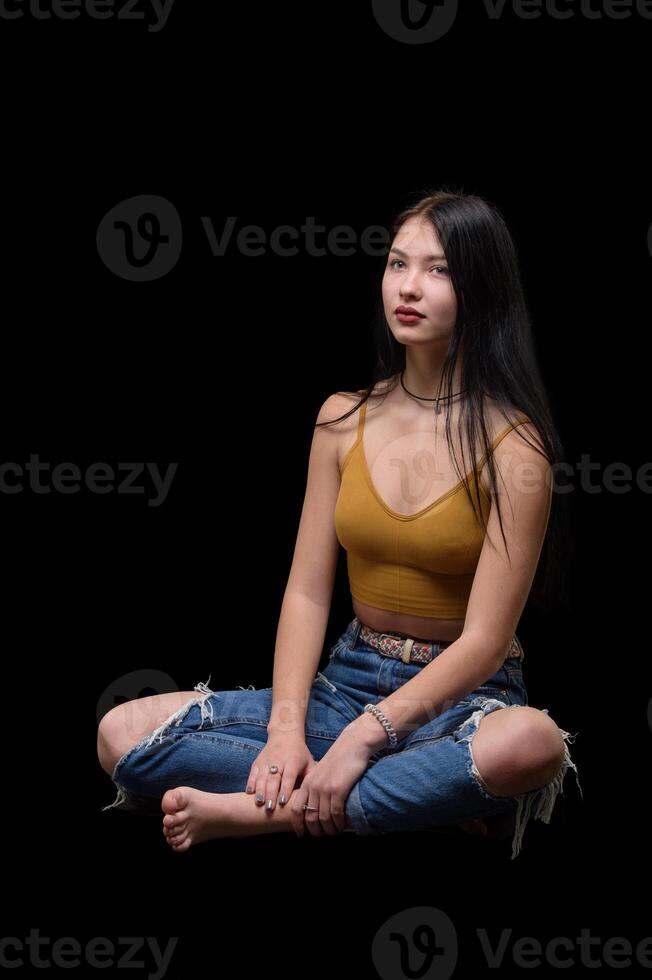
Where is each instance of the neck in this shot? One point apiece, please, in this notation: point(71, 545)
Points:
point(423, 376)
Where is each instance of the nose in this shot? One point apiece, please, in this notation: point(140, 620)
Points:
point(410, 285)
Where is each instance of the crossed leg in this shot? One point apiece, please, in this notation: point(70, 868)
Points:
point(517, 751)
point(127, 724)
point(513, 752)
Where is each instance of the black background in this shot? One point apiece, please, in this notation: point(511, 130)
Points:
point(273, 115)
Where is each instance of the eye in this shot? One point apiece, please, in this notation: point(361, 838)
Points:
point(443, 268)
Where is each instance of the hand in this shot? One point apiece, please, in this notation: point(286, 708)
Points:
point(292, 756)
point(328, 784)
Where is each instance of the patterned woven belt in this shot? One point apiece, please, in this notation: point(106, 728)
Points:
point(412, 651)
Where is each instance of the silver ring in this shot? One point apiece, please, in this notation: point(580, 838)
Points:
point(273, 768)
point(306, 807)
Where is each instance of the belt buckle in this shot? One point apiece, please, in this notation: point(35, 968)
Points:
point(383, 646)
point(406, 652)
point(401, 649)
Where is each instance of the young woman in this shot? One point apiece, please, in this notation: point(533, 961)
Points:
point(403, 730)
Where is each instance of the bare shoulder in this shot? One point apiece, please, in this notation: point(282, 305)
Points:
point(515, 443)
point(340, 414)
point(500, 418)
point(519, 446)
point(338, 424)
point(336, 406)
point(340, 403)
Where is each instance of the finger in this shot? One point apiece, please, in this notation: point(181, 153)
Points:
point(271, 791)
point(338, 814)
point(286, 788)
point(311, 817)
point(297, 812)
point(325, 821)
point(251, 779)
point(261, 783)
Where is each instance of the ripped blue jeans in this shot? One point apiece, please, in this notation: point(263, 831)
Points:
point(428, 780)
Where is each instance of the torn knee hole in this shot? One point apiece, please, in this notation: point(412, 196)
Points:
point(175, 719)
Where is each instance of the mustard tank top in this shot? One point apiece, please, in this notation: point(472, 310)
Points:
point(422, 563)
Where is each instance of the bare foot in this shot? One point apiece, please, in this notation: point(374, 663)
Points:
point(193, 816)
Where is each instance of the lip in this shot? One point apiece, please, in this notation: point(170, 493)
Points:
point(408, 319)
point(408, 311)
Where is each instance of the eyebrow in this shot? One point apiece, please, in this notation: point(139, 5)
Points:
point(426, 258)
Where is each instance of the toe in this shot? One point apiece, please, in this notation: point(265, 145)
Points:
point(173, 800)
point(175, 829)
point(174, 839)
point(175, 821)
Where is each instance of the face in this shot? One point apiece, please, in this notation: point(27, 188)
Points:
point(417, 275)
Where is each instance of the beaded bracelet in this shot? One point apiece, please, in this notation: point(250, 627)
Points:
point(384, 721)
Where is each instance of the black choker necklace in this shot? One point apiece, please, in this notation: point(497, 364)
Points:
point(437, 399)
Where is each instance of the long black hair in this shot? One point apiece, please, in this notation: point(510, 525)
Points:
point(498, 360)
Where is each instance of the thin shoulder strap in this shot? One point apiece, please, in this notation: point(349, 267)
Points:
point(500, 437)
point(358, 440)
point(361, 418)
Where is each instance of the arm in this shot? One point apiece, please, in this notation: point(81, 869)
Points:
point(308, 595)
point(500, 589)
point(299, 643)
